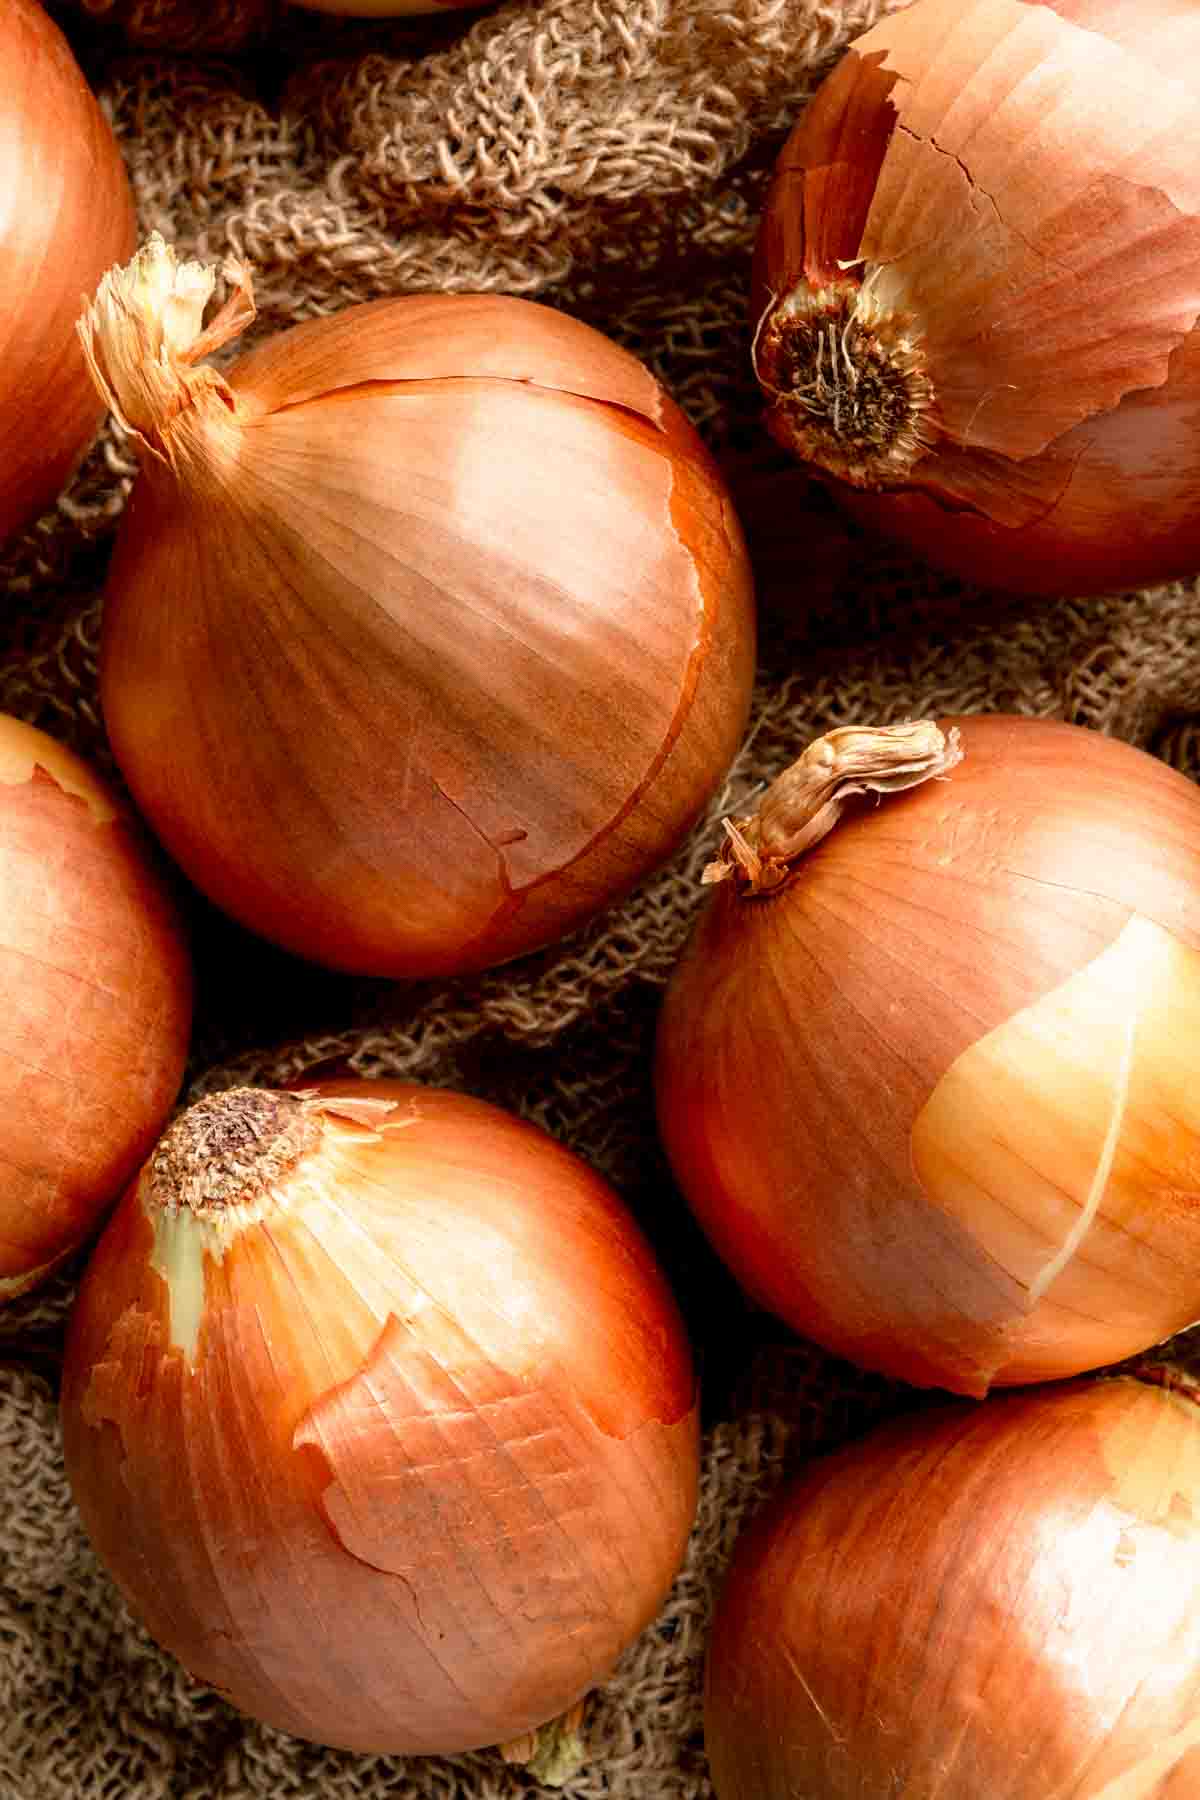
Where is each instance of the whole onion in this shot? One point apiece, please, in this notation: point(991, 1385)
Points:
point(429, 629)
point(977, 307)
point(985, 1603)
point(97, 1003)
point(930, 1084)
point(67, 214)
point(381, 1414)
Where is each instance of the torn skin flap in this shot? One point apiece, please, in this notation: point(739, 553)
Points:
point(849, 131)
point(1001, 324)
point(428, 1449)
point(824, 181)
point(1044, 249)
point(489, 1502)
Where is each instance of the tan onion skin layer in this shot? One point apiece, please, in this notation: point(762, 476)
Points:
point(429, 1463)
point(437, 643)
point(96, 980)
point(1026, 173)
point(68, 215)
point(934, 1100)
point(1000, 1601)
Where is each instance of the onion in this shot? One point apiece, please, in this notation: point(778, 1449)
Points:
point(380, 1413)
point(429, 629)
point(932, 1090)
point(67, 213)
point(977, 302)
point(97, 1003)
point(998, 1601)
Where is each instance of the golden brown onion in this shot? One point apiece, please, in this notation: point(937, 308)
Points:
point(381, 1414)
point(65, 214)
point(934, 1098)
point(985, 1603)
point(96, 1010)
point(429, 629)
point(976, 299)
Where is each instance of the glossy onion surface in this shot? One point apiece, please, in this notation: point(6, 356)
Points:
point(976, 291)
point(935, 1099)
point(431, 636)
point(381, 1414)
point(96, 987)
point(987, 1603)
point(65, 214)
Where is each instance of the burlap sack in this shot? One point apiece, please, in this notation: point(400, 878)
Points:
point(608, 157)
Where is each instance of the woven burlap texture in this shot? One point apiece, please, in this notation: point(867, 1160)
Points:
point(609, 158)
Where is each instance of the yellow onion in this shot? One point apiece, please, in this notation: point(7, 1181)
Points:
point(96, 1011)
point(929, 1081)
point(429, 629)
point(976, 308)
point(66, 214)
point(381, 1414)
point(985, 1603)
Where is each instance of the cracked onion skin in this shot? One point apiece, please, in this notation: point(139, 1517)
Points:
point(998, 1601)
point(934, 1099)
point(987, 223)
point(379, 1411)
point(68, 213)
point(429, 630)
point(96, 980)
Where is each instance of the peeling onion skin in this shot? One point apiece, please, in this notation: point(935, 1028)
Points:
point(1010, 189)
point(419, 1457)
point(68, 214)
point(97, 987)
point(435, 640)
point(999, 1600)
point(934, 1099)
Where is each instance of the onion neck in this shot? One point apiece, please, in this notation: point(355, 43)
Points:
point(803, 804)
point(230, 1151)
point(144, 337)
point(845, 380)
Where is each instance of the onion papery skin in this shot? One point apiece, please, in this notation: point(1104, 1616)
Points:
point(998, 1601)
point(68, 214)
point(968, 189)
point(934, 1099)
point(438, 638)
point(97, 987)
point(400, 1453)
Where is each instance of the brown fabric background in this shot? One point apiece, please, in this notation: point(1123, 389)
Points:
point(607, 156)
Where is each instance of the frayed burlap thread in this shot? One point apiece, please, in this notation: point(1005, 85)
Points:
point(610, 159)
